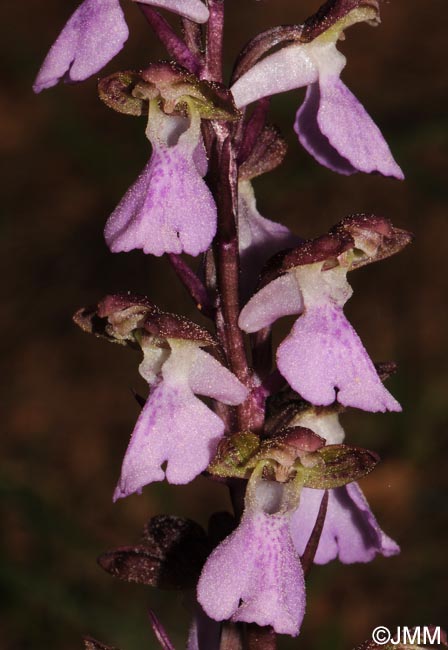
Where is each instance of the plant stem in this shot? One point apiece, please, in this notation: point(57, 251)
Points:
point(223, 176)
point(227, 267)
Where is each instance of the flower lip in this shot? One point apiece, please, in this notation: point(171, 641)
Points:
point(255, 574)
point(169, 208)
point(175, 426)
point(333, 11)
point(93, 35)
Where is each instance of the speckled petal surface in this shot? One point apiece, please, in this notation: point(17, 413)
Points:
point(323, 353)
point(93, 35)
point(210, 378)
point(174, 426)
point(350, 533)
point(311, 137)
point(193, 9)
point(259, 238)
point(281, 297)
point(170, 208)
point(255, 576)
point(335, 128)
point(289, 68)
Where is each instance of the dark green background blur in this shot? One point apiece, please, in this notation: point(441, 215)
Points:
point(68, 406)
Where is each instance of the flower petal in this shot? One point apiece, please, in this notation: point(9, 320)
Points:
point(281, 297)
point(258, 567)
point(335, 128)
point(323, 354)
point(325, 424)
point(93, 35)
point(209, 377)
point(176, 427)
point(170, 208)
point(193, 9)
point(311, 137)
point(350, 533)
point(289, 68)
point(259, 238)
point(153, 360)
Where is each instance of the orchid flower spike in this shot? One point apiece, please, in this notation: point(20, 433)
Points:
point(169, 209)
point(350, 532)
point(331, 124)
point(94, 35)
point(255, 574)
point(323, 358)
point(174, 426)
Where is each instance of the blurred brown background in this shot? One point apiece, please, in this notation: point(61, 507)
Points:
point(68, 406)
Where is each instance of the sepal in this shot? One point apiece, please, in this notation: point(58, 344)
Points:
point(120, 92)
point(117, 318)
point(374, 238)
point(234, 454)
point(333, 17)
point(127, 318)
point(296, 453)
point(333, 466)
point(170, 555)
point(355, 241)
point(174, 86)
